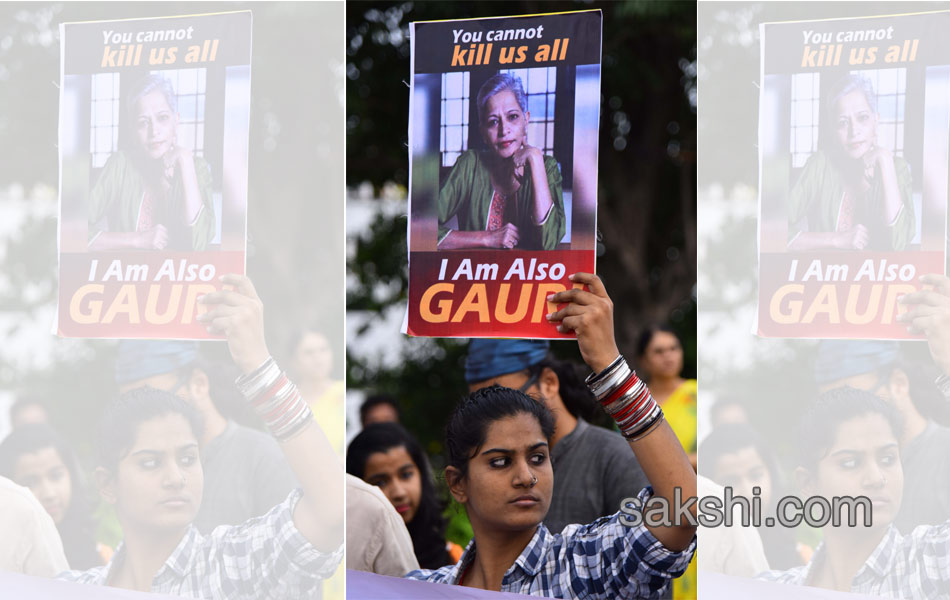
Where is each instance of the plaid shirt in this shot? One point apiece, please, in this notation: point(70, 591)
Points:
point(264, 558)
point(912, 566)
point(605, 559)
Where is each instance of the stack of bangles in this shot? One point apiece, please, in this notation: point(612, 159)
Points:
point(276, 400)
point(626, 399)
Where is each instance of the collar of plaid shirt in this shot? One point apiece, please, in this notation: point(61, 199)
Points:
point(176, 566)
point(528, 561)
point(879, 565)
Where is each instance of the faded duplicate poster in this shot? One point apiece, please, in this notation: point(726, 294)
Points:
point(153, 141)
point(854, 131)
point(504, 117)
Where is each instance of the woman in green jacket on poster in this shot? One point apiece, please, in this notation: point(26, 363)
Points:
point(156, 194)
point(853, 194)
point(508, 196)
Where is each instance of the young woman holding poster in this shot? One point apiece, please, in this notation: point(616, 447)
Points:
point(849, 448)
point(499, 469)
point(508, 196)
point(150, 471)
point(853, 194)
point(155, 194)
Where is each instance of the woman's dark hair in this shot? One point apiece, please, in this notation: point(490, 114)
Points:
point(135, 91)
point(468, 425)
point(574, 392)
point(427, 528)
point(647, 335)
point(500, 82)
point(924, 394)
point(830, 95)
point(76, 528)
point(820, 423)
point(733, 437)
point(120, 422)
point(377, 400)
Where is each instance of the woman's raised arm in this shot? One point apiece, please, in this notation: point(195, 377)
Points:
point(589, 314)
point(238, 315)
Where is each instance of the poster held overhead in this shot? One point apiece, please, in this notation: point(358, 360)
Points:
point(153, 142)
point(504, 114)
point(854, 143)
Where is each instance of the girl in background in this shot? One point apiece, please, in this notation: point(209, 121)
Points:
point(387, 456)
point(36, 457)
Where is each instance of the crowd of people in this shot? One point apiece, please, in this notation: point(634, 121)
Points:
point(206, 507)
point(541, 485)
point(876, 427)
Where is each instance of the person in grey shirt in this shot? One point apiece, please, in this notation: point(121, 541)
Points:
point(594, 469)
point(245, 472)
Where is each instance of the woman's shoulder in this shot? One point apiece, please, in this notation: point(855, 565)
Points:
point(550, 161)
point(118, 162)
point(793, 576)
point(440, 575)
point(819, 160)
point(93, 576)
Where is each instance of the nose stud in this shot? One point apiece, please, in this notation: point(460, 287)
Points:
point(534, 480)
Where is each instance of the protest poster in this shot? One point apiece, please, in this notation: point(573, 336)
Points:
point(503, 130)
point(153, 147)
point(854, 116)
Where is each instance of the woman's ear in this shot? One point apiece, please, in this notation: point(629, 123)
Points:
point(456, 483)
point(549, 384)
point(105, 481)
point(898, 386)
point(199, 386)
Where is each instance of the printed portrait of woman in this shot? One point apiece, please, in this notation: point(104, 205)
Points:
point(853, 193)
point(509, 194)
point(153, 193)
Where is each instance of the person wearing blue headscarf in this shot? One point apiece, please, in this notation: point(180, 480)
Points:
point(594, 469)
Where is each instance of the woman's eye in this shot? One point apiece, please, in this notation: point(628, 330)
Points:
point(888, 460)
point(513, 117)
point(499, 462)
point(188, 460)
point(848, 464)
point(150, 463)
point(538, 459)
point(406, 475)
